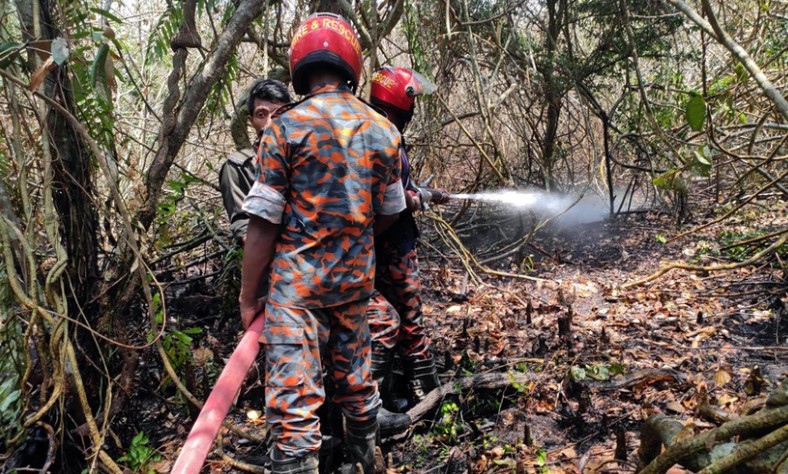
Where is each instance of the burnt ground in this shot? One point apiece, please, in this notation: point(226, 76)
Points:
point(619, 355)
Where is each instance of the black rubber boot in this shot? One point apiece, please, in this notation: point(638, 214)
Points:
point(422, 378)
point(390, 423)
point(305, 465)
point(362, 437)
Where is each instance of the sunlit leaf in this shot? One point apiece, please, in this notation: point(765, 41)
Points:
point(97, 70)
point(741, 73)
point(666, 179)
point(695, 112)
point(9, 399)
point(106, 14)
point(722, 377)
point(577, 373)
point(598, 372)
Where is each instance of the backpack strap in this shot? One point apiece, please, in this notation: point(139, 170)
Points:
point(239, 157)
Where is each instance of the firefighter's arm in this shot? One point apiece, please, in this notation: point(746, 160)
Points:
point(261, 238)
point(265, 205)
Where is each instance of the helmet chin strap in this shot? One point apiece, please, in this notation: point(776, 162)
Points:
point(405, 119)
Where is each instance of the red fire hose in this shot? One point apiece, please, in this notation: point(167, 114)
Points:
point(206, 427)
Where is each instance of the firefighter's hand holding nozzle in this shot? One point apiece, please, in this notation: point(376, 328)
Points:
point(413, 200)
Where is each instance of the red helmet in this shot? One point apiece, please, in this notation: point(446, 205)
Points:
point(397, 87)
point(324, 39)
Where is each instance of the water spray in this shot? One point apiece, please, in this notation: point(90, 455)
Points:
point(519, 199)
point(570, 209)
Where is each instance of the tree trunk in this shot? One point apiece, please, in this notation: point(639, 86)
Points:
point(71, 164)
point(552, 92)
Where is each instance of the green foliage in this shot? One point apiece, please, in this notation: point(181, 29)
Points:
point(616, 368)
point(140, 454)
point(695, 112)
point(721, 85)
point(447, 427)
point(701, 161)
point(12, 366)
point(9, 53)
point(88, 61)
point(166, 27)
point(106, 14)
point(221, 96)
point(169, 205)
point(467, 366)
point(541, 458)
point(178, 346)
point(520, 387)
point(99, 63)
point(177, 343)
point(79, 17)
point(598, 372)
point(729, 243)
point(741, 73)
point(666, 180)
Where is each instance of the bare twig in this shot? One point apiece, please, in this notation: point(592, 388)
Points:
point(711, 268)
point(713, 28)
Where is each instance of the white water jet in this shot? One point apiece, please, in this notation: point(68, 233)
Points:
point(573, 209)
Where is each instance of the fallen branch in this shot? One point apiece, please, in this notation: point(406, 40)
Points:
point(731, 212)
point(491, 381)
point(746, 451)
point(689, 446)
point(711, 268)
point(646, 376)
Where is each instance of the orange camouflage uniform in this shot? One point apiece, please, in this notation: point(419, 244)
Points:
point(327, 166)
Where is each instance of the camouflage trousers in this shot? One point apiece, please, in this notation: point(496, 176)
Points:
point(294, 339)
point(383, 323)
point(397, 279)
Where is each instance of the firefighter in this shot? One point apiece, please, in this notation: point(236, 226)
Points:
point(236, 178)
point(329, 173)
point(394, 90)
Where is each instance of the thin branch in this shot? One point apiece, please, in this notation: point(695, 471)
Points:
point(710, 268)
point(712, 27)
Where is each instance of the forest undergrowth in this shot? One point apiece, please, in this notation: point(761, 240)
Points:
point(580, 361)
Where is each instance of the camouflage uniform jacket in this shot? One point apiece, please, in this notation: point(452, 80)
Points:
point(328, 165)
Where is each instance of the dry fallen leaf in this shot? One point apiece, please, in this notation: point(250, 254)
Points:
point(161, 466)
point(675, 407)
point(722, 377)
point(41, 73)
